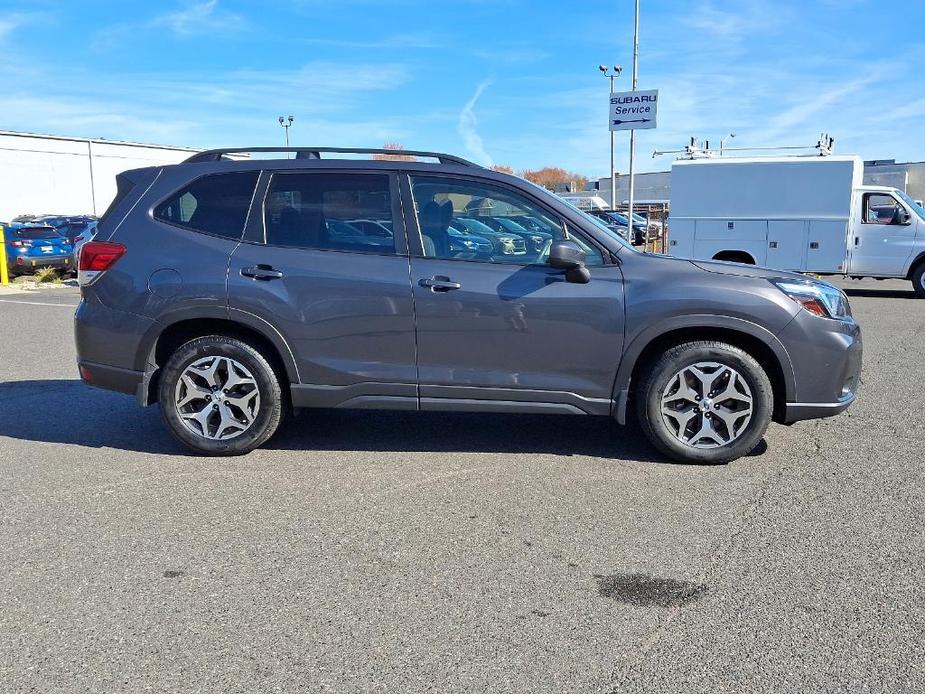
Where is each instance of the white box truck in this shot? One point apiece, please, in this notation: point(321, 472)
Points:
point(808, 214)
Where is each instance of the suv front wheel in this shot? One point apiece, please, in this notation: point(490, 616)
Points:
point(220, 396)
point(705, 402)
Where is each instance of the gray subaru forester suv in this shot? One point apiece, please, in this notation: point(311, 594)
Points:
point(232, 288)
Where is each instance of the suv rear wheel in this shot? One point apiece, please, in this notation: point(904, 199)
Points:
point(220, 396)
point(705, 402)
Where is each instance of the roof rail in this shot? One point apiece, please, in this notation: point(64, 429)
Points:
point(315, 153)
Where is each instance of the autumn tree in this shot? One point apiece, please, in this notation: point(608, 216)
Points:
point(501, 168)
point(397, 147)
point(551, 176)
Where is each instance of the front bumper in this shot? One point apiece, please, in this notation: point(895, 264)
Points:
point(826, 356)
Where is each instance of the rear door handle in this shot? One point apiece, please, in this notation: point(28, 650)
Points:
point(439, 283)
point(261, 272)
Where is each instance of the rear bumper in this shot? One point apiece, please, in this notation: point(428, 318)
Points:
point(103, 336)
point(110, 377)
point(22, 262)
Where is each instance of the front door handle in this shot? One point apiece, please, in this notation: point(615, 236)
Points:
point(261, 272)
point(439, 283)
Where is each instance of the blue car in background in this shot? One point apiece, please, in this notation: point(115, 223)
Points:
point(30, 247)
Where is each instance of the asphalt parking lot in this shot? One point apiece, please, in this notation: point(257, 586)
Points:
point(393, 552)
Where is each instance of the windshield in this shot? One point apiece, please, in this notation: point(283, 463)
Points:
point(639, 219)
point(918, 209)
point(602, 226)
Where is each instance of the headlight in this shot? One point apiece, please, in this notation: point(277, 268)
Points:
point(819, 298)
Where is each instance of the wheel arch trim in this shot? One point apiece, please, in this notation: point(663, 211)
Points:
point(145, 361)
point(638, 345)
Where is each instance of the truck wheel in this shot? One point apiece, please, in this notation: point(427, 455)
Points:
point(220, 396)
point(704, 402)
point(918, 281)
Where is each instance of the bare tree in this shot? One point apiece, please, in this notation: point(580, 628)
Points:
point(552, 176)
point(397, 147)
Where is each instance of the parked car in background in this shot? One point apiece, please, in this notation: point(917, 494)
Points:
point(504, 243)
point(189, 298)
point(78, 241)
point(618, 219)
point(29, 248)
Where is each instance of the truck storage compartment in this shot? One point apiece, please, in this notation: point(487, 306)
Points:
point(714, 237)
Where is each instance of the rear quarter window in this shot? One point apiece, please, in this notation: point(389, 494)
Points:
point(215, 204)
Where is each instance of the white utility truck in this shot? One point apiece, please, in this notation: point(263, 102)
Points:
point(808, 214)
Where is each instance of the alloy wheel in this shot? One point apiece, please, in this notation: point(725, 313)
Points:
point(707, 404)
point(217, 398)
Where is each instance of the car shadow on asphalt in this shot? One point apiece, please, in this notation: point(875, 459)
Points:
point(67, 411)
point(881, 293)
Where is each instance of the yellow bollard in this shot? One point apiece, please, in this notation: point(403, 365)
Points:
point(4, 272)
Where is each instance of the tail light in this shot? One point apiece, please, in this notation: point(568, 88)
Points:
point(96, 257)
point(77, 238)
point(20, 244)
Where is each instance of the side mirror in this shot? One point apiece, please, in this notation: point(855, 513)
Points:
point(901, 216)
point(568, 256)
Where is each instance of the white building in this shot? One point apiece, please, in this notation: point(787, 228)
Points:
point(48, 174)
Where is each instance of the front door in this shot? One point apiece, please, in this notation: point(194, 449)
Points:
point(329, 271)
point(502, 325)
point(883, 239)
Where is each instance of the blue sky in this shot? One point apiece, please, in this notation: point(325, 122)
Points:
point(506, 81)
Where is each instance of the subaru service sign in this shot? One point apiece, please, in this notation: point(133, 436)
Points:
point(633, 110)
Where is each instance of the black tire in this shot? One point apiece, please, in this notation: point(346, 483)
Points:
point(918, 280)
point(272, 398)
point(655, 379)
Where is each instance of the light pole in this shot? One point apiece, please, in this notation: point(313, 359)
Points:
point(286, 123)
point(722, 143)
point(629, 214)
point(613, 174)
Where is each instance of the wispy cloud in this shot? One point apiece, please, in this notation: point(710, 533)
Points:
point(200, 18)
point(12, 21)
point(385, 42)
point(330, 101)
point(468, 127)
point(737, 22)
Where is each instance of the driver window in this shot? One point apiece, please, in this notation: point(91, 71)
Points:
point(880, 208)
point(464, 220)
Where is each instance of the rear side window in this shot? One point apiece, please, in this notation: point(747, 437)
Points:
point(216, 204)
point(337, 212)
point(124, 186)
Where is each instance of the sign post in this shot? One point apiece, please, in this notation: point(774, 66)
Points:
point(4, 271)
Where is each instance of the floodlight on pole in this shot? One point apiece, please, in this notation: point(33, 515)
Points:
point(722, 143)
point(286, 123)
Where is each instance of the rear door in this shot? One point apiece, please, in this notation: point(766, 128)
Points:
point(506, 330)
point(338, 293)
